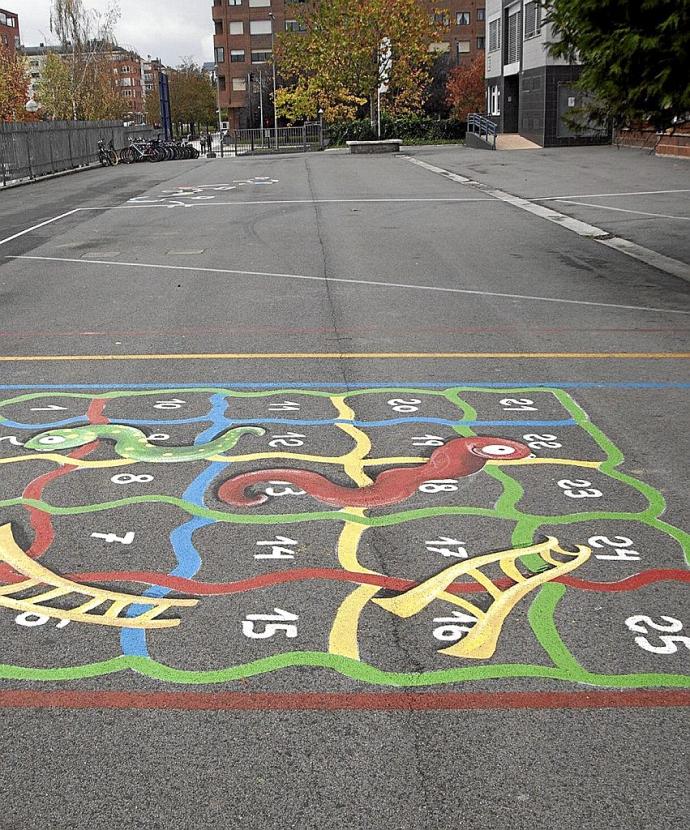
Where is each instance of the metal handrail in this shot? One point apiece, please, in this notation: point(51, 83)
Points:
point(483, 127)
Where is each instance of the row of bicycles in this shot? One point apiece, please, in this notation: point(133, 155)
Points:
point(153, 150)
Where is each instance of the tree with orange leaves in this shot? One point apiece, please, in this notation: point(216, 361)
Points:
point(14, 86)
point(465, 88)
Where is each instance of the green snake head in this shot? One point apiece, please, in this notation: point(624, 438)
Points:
point(60, 439)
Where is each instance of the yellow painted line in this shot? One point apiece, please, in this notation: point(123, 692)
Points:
point(527, 462)
point(45, 358)
point(67, 461)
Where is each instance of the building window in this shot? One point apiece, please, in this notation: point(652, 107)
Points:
point(260, 27)
point(239, 84)
point(513, 37)
point(532, 19)
point(219, 54)
point(234, 2)
point(462, 19)
point(294, 26)
point(481, 14)
point(237, 56)
point(494, 35)
point(261, 55)
point(493, 100)
point(218, 27)
point(481, 43)
point(255, 3)
point(464, 47)
point(236, 27)
point(221, 83)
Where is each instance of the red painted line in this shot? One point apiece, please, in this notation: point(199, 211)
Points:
point(324, 330)
point(42, 523)
point(192, 586)
point(334, 702)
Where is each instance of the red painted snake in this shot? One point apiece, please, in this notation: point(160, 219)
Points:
point(458, 458)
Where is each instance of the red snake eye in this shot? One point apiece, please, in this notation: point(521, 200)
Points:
point(499, 450)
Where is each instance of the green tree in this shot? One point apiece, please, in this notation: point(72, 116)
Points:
point(87, 39)
point(14, 86)
point(635, 56)
point(192, 96)
point(337, 62)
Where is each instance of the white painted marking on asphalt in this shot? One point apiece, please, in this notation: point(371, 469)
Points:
point(659, 261)
point(374, 283)
point(607, 195)
point(624, 210)
point(649, 257)
point(168, 204)
point(40, 225)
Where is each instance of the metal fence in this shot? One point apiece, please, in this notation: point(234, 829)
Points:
point(283, 140)
point(481, 126)
point(28, 151)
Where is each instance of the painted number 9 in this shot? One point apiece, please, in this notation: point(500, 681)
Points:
point(573, 489)
point(641, 623)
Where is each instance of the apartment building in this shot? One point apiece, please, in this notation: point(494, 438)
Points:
point(132, 76)
point(527, 90)
point(9, 31)
point(244, 32)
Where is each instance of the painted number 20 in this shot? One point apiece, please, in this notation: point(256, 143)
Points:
point(641, 624)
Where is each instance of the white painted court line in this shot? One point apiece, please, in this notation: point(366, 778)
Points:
point(607, 195)
point(373, 283)
point(623, 210)
point(624, 246)
point(40, 225)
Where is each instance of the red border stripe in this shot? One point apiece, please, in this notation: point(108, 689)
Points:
point(366, 701)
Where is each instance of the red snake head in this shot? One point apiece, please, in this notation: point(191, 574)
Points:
point(497, 449)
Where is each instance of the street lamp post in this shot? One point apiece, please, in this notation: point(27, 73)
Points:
point(275, 83)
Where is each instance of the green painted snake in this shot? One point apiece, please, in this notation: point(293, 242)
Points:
point(132, 443)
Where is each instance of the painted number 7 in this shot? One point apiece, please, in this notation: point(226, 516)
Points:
point(278, 621)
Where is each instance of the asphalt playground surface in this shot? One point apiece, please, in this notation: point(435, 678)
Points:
point(502, 643)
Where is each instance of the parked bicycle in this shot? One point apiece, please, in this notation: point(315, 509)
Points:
point(156, 150)
point(107, 156)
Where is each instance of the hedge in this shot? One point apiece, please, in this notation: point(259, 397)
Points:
point(408, 128)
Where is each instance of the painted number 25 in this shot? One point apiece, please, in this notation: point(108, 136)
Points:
point(641, 624)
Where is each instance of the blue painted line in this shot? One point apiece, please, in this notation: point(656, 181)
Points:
point(36, 427)
point(566, 422)
point(492, 384)
point(133, 640)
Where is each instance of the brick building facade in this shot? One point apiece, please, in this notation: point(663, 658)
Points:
point(9, 31)
point(244, 31)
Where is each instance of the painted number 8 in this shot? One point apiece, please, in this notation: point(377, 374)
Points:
point(128, 478)
point(441, 485)
point(400, 405)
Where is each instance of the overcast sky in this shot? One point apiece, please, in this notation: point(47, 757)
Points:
point(166, 29)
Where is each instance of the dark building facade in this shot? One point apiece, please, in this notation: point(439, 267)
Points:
point(9, 31)
point(528, 91)
point(243, 43)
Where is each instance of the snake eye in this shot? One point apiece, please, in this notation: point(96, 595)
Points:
point(499, 450)
point(51, 439)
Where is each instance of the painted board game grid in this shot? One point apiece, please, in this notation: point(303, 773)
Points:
point(343, 651)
